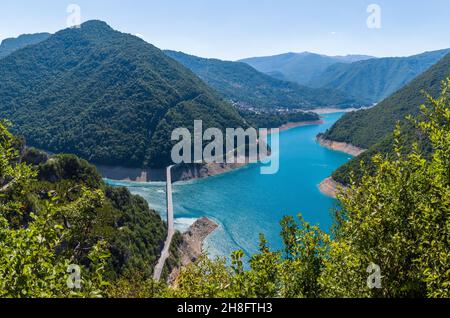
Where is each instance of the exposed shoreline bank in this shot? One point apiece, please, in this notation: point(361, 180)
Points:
point(300, 124)
point(183, 172)
point(191, 247)
point(331, 110)
point(340, 146)
point(329, 186)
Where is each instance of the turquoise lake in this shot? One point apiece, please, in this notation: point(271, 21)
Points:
point(246, 203)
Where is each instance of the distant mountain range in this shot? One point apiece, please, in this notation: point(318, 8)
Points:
point(372, 129)
point(363, 77)
point(10, 45)
point(242, 84)
point(299, 67)
point(106, 96)
point(114, 99)
point(376, 79)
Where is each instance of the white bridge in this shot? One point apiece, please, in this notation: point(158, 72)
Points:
point(170, 228)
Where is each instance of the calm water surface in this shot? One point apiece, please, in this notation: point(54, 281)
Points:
point(245, 203)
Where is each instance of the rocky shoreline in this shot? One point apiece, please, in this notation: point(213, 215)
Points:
point(340, 146)
point(300, 124)
point(184, 172)
point(191, 247)
point(329, 187)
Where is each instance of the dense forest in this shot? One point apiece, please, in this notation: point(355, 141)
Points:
point(371, 129)
point(108, 97)
point(390, 237)
point(393, 221)
point(56, 210)
point(375, 79)
point(277, 119)
point(243, 85)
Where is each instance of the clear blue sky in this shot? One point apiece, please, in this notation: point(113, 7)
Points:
point(234, 29)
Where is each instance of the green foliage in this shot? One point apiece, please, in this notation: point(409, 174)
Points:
point(396, 216)
point(58, 212)
point(366, 128)
point(137, 234)
point(174, 259)
point(29, 263)
point(371, 129)
point(270, 275)
point(277, 119)
point(108, 97)
point(138, 286)
point(375, 79)
point(134, 233)
point(243, 85)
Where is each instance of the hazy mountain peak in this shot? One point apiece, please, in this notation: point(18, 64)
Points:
point(106, 96)
point(298, 67)
point(376, 79)
point(10, 45)
point(242, 84)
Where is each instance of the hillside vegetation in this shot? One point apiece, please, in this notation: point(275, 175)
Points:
point(108, 97)
point(277, 119)
point(393, 222)
point(390, 237)
point(56, 211)
point(243, 85)
point(375, 79)
point(369, 129)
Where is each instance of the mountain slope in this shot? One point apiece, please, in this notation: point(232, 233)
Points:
point(243, 84)
point(10, 45)
point(108, 97)
point(376, 79)
point(298, 67)
point(372, 129)
point(367, 127)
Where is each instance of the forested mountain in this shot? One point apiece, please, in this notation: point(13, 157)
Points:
point(242, 84)
point(365, 128)
point(298, 67)
point(106, 96)
point(57, 209)
point(10, 45)
point(57, 212)
point(277, 119)
point(376, 79)
point(372, 129)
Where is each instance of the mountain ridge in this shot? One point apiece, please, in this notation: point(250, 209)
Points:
point(10, 45)
point(376, 79)
point(242, 84)
point(107, 96)
point(372, 128)
point(298, 67)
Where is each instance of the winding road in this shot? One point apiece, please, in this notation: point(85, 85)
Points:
point(170, 227)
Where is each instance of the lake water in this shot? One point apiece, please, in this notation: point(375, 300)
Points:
point(246, 203)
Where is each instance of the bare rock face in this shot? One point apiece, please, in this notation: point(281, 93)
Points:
point(192, 245)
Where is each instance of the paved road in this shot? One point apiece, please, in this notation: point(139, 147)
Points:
point(170, 230)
